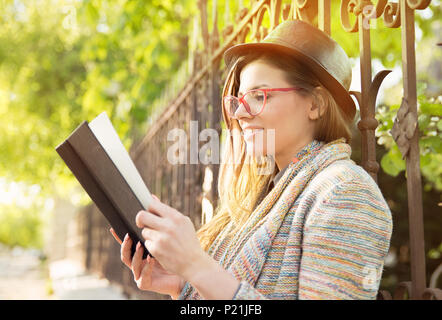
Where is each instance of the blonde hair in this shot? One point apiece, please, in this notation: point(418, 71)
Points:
point(241, 185)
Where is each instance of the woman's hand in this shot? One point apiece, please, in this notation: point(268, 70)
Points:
point(148, 273)
point(171, 238)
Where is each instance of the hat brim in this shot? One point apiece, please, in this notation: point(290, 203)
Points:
point(339, 93)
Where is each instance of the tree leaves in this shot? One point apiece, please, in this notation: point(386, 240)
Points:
point(112, 56)
point(392, 162)
point(430, 142)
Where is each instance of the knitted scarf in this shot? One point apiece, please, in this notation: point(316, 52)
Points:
point(256, 236)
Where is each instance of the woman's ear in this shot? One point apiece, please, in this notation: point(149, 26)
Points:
point(318, 106)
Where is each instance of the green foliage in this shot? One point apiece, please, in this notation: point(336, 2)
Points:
point(21, 227)
point(435, 253)
point(430, 141)
point(24, 214)
point(60, 65)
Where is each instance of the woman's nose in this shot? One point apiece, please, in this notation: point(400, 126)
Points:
point(241, 112)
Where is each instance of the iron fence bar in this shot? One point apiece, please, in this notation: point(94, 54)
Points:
point(324, 16)
point(414, 188)
point(367, 112)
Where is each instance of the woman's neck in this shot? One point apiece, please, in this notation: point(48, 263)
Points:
point(284, 157)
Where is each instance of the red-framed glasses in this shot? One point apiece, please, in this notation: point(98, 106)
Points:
point(254, 101)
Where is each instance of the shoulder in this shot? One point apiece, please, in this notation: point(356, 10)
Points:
point(345, 190)
point(343, 170)
point(342, 174)
point(344, 186)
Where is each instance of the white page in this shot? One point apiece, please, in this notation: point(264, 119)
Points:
point(105, 133)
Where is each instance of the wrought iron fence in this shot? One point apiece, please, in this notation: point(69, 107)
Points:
point(192, 187)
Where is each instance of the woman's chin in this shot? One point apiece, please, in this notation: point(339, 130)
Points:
point(265, 162)
point(254, 149)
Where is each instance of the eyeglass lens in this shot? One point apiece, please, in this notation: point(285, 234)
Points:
point(254, 99)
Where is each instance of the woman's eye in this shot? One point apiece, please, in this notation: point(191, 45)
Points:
point(258, 96)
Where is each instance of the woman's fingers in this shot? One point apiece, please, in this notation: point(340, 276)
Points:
point(161, 209)
point(115, 236)
point(126, 251)
point(148, 219)
point(142, 270)
point(137, 261)
point(148, 266)
point(144, 282)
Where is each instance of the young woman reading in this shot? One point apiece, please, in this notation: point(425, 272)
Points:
point(316, 227)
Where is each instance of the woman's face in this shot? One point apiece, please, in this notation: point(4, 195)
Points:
point(287, 113)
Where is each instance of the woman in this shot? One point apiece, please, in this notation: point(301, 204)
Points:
point(317, 227)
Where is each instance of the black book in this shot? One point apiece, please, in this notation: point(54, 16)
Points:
point(97, 158)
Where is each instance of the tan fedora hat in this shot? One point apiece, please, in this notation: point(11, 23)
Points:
point(323, 55)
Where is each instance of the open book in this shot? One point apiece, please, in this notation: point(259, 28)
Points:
point(97, 158)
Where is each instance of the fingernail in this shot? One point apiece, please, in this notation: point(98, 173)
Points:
point(138, 245)
point(126, 236)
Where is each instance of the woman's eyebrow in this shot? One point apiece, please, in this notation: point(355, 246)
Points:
point(255, 87)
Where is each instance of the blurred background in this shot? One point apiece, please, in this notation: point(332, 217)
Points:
point(62, 62)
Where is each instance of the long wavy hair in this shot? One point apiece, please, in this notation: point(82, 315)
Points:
point(241, 184)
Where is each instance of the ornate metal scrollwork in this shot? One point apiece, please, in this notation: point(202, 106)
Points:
point(368, 12)
point(389, 10)
point(369, 122)
point(432, 294)
point(242, 13)
point(403, 289)
point(374, 87)
point(228, 30)
point(418, 4)
point(384, 295)
point(404, 127)
point(347, 7)
point(392, 15)
point(286, 11)
point(306, 10)
point(273, 10)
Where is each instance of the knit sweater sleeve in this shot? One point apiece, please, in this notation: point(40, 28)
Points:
point(346, 238)
point(246, 292)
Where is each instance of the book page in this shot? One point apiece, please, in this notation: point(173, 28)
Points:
point(105, 133)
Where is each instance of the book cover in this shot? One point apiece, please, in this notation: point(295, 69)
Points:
point(97, 158)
